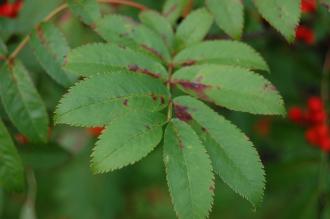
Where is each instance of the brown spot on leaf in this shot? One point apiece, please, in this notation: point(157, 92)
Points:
point(189, 62)
point(154, 97)
point(212, 188)
point(136, 68)
point(204, 129)
point(162, 100)
point(196, 87)
point(153, 51)
point(125, 102)
point(182, 113)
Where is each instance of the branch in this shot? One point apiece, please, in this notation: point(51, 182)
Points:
point(64, 6)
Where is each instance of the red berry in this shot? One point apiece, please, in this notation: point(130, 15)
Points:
point(311, 136)
point(308, 6)
point(10, 10)
point(295, 114)
point(325, 144)
point(305, 34)
point(317, 117)
point(96, 131)
point(315, 104)
point(322, 131)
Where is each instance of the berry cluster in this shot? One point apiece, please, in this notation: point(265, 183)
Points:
point(10, 10)
point(315, 119)
point(304, 33)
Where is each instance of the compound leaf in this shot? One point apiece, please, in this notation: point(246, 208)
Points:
point(188, 171)
point(22, 102)
point(127, 140)
point(232, 87)
point(102, 98)
point(233, 155)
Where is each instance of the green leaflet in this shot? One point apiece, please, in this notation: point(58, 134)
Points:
point(103, 98)
point(22, 102)
point(11, 167)
point(188, 171)
point(233, 156)
point(283, 15)
point(173, 9)
point(118, 28)
point(193, 28)
point(103, 57)
point(231, 87)
point(127, 140)
point(222, 52)
point(229, 15)
point(87, 10)
point(159, 24)
point(50, 48)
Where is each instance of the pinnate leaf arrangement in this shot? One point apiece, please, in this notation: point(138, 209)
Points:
point(155, 82)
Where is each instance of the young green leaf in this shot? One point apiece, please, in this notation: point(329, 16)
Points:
point(50, 48)
point(87, 10)
point(188, 171)
point(103, 98)
point(11, 167)
point(193, 28)
point(127, 140)
point(100, 57)
point(229, 15)
point(283, 15)
point(232, 87)
point(233, 156)
point(159, 24)
point(173, 9)
point(222, 52)
point(118, 28)
point(22, 102)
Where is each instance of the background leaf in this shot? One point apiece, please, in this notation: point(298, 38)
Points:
point(22, 102)
point(281, 14)
point(188, 171)
point(103, 98)
point(233, 155)
point(127, 140)
point(11, 167)
point(229, 15)
point(231, 87)
point(50, 48)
